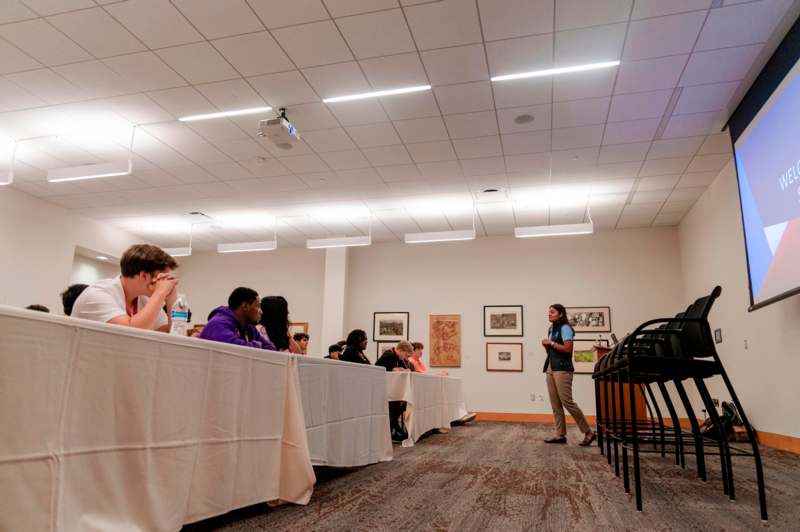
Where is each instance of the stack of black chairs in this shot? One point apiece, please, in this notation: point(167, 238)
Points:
point(680, 351)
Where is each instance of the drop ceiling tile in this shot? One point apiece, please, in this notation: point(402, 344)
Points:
point(345, 8)
point(697, 179)
point(387, 156)
point(581, 14)
point(43, 42)
point(266, 167)
point(239, 52)
point(590, 84)
point(48, 85)
point(529, 142)
point(241, 149)
point(657, 8)
point(668, 219)
point(469, 125)
point(314, 44)
point(359, 112)
point(137, 109)
point(580, 112)
point(662, 182)
point(427, 152)
point(337, 80)
point(639, 105)
point(14, 60)
point(650, 74)
point(741, 24)
point(479, 147)
point(686, 194)
point(533, 165)
point(446, 23)
point(577, 137)
point(402, 172)
point(403, 70)
point(589, 45)
point(14, 11)
point(421, 130)
point(51, 7)
point(709, 163)
point(524, 92)
point(97, 32)
point(523, 54)
point(413, 105)
point(680, 147)
point(690, 125)
point(359, 177)
point(158, 24)
point(284, 89)
point(508, 124)
point(703, 98)
point(464, 98)
point(326, 140)
point(671, 166)
point(483, 167)
point(182, 101)
point(505, 19)
point(662, 36)
point(144, 71)
point(373, 135)
point(219, 19)
point(716, 66)
point(632, 131)
point(305, 164)
point(676, 206)
point(345, 160)
point(622, 153)
point(377, 34)
point(198, 63)
point(456, 65)
point(278, 13)
point(719, 143)
point(234, 94)
point(95, 78)
point(230, 171)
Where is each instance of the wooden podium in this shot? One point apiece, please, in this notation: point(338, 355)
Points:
point(641, 406)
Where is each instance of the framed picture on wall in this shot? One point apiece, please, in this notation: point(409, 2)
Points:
point(383, 346)
point(503, 356)
point(584, 355)
point(445, 340)
point(298, 327)
point(502, 320)
point(590, 319)
point(390, 326)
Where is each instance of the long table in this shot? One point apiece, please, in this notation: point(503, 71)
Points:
point(433, 401)
point(110, 428)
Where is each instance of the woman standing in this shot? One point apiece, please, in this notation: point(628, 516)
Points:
point(559, 370)
point(356, 343)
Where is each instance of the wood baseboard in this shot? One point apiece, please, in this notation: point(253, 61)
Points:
point(768, 439)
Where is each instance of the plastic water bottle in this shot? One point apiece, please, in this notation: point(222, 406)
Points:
point(180, 316)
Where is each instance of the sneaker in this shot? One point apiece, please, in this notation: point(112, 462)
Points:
point(562, 439)
point(588, 439)
point(469, 417)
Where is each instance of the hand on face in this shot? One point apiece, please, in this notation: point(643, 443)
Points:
point(164, 284)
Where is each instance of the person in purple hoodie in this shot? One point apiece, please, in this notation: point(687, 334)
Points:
point(235, 324)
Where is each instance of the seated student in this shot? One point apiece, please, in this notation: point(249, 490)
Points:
point(69, 296)
point(356, 343)
point(38, 308)
point(415, 360)
point(235, 324)
point(302, 341)
point(334, 351)
point(395, 359)
point(142, 296)
point(275, 323)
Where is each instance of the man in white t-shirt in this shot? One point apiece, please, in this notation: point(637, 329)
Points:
point(138, 297)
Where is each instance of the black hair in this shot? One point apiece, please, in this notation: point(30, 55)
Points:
point(335, 348)
point(40, 308)
point(562, 320)
point(355, 338)
point(341, 343)
point(275, 319)
point(240, 296)
point(69, 296)
point(300, 336)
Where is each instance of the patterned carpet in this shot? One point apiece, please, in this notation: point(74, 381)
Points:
point(500, 476)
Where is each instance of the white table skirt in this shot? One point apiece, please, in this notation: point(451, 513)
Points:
point(345, 410)
point(433, 401)
point(110, 428)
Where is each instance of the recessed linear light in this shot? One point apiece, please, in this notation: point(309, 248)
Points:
point(377, 94)
point(555, 71)
point(344, 242)
point(179, 252)
point(439, 236)
point(243, 247)
point(554, 230)
point(89, 171)
point(223, 114)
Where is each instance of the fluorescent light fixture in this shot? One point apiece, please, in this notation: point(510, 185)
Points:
point(377, 94)
point(102, 257)
point(555, 71)
point(243, 247)
point(554, 230)
point(89, 171)
point(343, 242)
point(439, 236)
point(179, 252)
point(223, 114)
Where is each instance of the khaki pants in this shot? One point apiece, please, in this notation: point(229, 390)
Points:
point(559, 385)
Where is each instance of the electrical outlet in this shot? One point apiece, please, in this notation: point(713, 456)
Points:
point(718, 336)
point(533, 397)
point(541, 397)
point(715, 401)
point(745, 345)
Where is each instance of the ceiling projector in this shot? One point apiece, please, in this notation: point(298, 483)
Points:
point(279, 131)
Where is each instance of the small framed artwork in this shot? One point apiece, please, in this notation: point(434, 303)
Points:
point(298, 327)
point(503, 356)
point(382, 347)
point(590, 319)
point(584, 355)
point(502, 320)
point(390, 326)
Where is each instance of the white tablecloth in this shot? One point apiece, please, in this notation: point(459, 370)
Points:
point(345, 410)
point(433, 401)
point(109, 428)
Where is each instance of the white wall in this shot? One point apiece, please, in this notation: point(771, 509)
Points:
point(207, 279)
point(87, 271)
point(765, 375)
point(37, 247)
point(635, 272)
